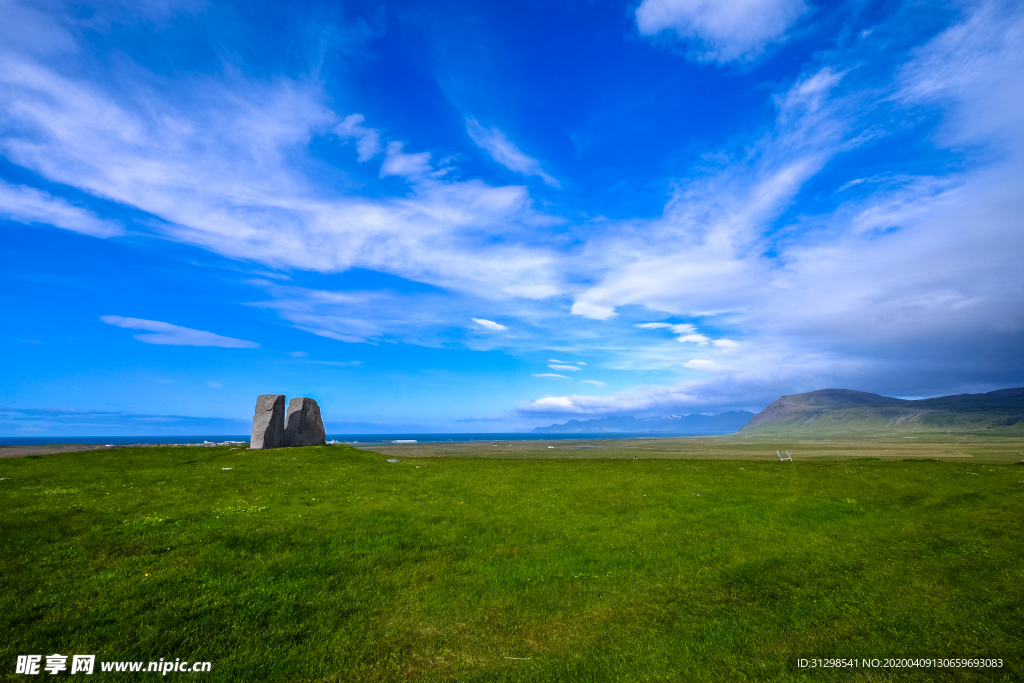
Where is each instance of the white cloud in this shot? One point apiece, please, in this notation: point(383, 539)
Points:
point(723, 30)
point(564, 368)
point(592, 381)
point(174, 335)
point(701, 364)
point(551, 374)
point(726, 344)
point(579, 362)
point(489, 324)
point(28, 205)
point(680, 328)
point(686, 331)
point(551, 404)
point(555, 360)
point(367, 139)
point(397, 162)
point(591, 310)
point(502, 150)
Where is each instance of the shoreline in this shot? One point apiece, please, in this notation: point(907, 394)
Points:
point(23, 450)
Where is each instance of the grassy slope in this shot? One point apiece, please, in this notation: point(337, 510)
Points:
point(330, 564)
point(892, 421)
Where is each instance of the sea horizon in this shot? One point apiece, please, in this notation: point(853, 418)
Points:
point(419, 437)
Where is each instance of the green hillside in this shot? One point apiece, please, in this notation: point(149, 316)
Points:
point(842, 411)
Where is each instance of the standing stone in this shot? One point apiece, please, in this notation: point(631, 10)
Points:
point(304, 426)
point(268, 422)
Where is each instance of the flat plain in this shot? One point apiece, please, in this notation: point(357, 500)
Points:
point(702, 559)
point(886, 445)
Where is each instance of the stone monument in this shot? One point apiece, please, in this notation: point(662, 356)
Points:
point(303, 426)
point(273, 428)
point(268, 422)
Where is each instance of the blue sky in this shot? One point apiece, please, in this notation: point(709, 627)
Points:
point(466, 216)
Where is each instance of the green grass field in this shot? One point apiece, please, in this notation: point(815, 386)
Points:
point(330, 564)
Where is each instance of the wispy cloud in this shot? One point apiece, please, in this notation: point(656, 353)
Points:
point(427, 318)
point(551, 374)
point(592, 381)
point(716, 395)
point(29, 205)
point(564, 368)
point(174, 335)
point(70, 422)
point(705, 254)
point(686, 332)
point(367, 139)
point(217, 168)
point(502, 150)
point(681, 328)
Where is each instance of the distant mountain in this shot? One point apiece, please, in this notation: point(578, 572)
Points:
point(843, 410)
point(694, 425)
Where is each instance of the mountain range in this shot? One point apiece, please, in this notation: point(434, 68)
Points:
point(830, 411)
point(692, 425)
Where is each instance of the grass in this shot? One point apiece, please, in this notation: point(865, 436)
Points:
point(330, 564)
